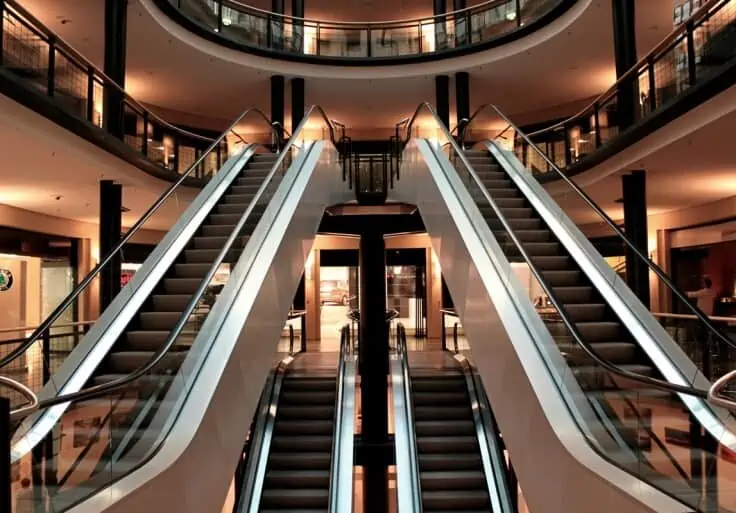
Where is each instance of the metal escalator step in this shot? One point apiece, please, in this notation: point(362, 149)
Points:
point(524, 236)
point(265, 157)
point(208, 256)
point(300, 498)
point(419, 385)
point(573, 294)
point(450, 461)
point(533, 249)
point(497, 184)
point(293, 479)
point(444, 427)
point(300, 460)
point(151, 340)
point(304, 427)
point(145, 381)
point(246, 179)
point(507, 192)
point(249, 190)
point(614, 352)
point(452, 480)
point(443, 413)
point(439, 399)
point(516, 212)
point(586, 312)
point(240, 208)
point(312, 384)
point(455, 500)
point(304, 397)
point(171, 302)
point(181, 285)
point(197, 270)
point(307, 412)
point(217, 242)
point(446, 444)
point(489, 173)
point(125, 362)
point(158, 321)
point(231, 219)
point(263, 166)
point(312, 443)
point(240, 199)
point(562, 278)
point(516, 202)
point(599, 331)
point(516, 224)
point(217, 230)
point(551, 262)
point(594, 378)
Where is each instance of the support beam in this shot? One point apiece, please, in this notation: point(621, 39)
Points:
point(297, 102)
point(624, 43)
point(635, 225)
point(277, 103)
point(373, 367)
point(462, 95)
point(111, 203)
point(116, 27)
point(297, 11)
point(442, 95)
point(440, 27)
point(462, 23)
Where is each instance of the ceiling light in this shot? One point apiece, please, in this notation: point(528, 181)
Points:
point(511, 15)
point(227, 22)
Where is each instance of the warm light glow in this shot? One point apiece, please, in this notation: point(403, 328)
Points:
point(310, 40)
point(429, 41)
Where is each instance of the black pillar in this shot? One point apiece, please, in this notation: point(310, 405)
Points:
point(442, 93)
point(111, 202)
point(462, 22)
point(373, 366)
point(462, 95)
point(276, 27)
point(624, 43)
point(297, 102)
point(116, 21)
point(277, 103)
point(440, 26)
point(635, 225)
point(297, 11)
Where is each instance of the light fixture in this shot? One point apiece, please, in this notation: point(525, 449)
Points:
point(511, 15)
point(227, 22)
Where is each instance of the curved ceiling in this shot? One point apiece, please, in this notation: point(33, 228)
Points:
point(546, 73)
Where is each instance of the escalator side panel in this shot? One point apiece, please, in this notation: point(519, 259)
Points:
point(237, 345)
point(77, 368)
point(540, 432)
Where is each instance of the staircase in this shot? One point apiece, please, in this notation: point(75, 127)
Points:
point(450, 466)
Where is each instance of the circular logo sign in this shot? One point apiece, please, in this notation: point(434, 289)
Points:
point(6, 279)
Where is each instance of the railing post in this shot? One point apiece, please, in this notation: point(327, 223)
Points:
point(291, 339)
point(219, 17)
point(46, 355)
point(6, 503)
point(691, 65)
point(52, 68)
point(652, 85)
point(454, 338)
point(90, 94)
point(518, 13)
point(597, 124)
point(444, 335)
point(144, 145)
point(304, 333)
point(568, 147)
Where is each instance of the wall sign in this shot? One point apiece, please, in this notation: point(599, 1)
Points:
point(6, 279)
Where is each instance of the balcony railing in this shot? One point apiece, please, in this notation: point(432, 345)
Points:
point(38, 59)
point(254, 28)
point(696, 52)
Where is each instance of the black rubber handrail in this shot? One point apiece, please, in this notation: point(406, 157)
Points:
point(158, 356)
point(613, 226)
point(556, 303)
point(69, 300)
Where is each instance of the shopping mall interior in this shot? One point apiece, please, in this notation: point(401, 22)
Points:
point(367, 256)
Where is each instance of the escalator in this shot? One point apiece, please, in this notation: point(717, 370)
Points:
point(301, 457)
point(452, 445)
point(197, 314)
point(589, 355)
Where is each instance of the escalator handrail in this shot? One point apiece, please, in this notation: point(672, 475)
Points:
point(715, 394)
point(492, 457)
point(701, 13)
point(403, 354)
point(341, 486)
point(617, 230)
point(556, 303)
point(23, 390)
point(87, 280)
point(160, 354)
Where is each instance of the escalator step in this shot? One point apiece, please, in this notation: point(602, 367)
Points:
point(450, 461)
point(191, 270)
point(208, 242)
point(158, 321)
point(444, 427)
point(600, 331)
point(298, 479)
point(303, 397)
point(551, 262)
point(419, 385)
point(446, 444)
point(308, 384)
point(207, 256)
point(506, 192)
point(299, 498)
point(314, 443)
point(594, 378)
point(455, 480)
point(533, 249)
point(304, 427)
point(444, 413)
point(125, 362)
point(300, 460)
point(152, 340)
point(497, 184)
point(524, 236)
point(614, 352)
point(217, 230)
point(562, 278)
point(321, 412)
point(589, 312)
point(183, 285)
point(439, 398)
point(171, 302)
point(455, 500)
point(573, 294)
point(242, 199)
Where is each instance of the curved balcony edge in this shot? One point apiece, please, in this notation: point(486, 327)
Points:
point(214, 35)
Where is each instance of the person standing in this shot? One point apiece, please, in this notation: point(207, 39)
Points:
point(705, 296)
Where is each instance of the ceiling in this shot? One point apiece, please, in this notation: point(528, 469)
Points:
point(571, 65)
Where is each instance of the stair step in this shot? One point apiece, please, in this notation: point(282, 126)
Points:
point(296, 479)
point(320, 412)
point(158, 321)
point(551, 262)
point(217, 242)
point(172, 302)
point(304, 427)
point(439, 398)
point(444, 413)
point(562, 278)
point(300, 460)
point(291, 498)
point(438, 384)
point(444, 427)
point(573, 295)
point(456, 500)
point(183, 285)
point(125, 362)
point(450, 461)
point(197, 270)
point(326, 397)
point(446, 444)
point(206, 256)
point(614, 352)
point(600, 331)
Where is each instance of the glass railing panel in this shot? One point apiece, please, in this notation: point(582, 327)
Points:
point(397, 41)
point(489, 23)
point(531, 10)
point(202, 12)
point(245, 28)
point(341, 42)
